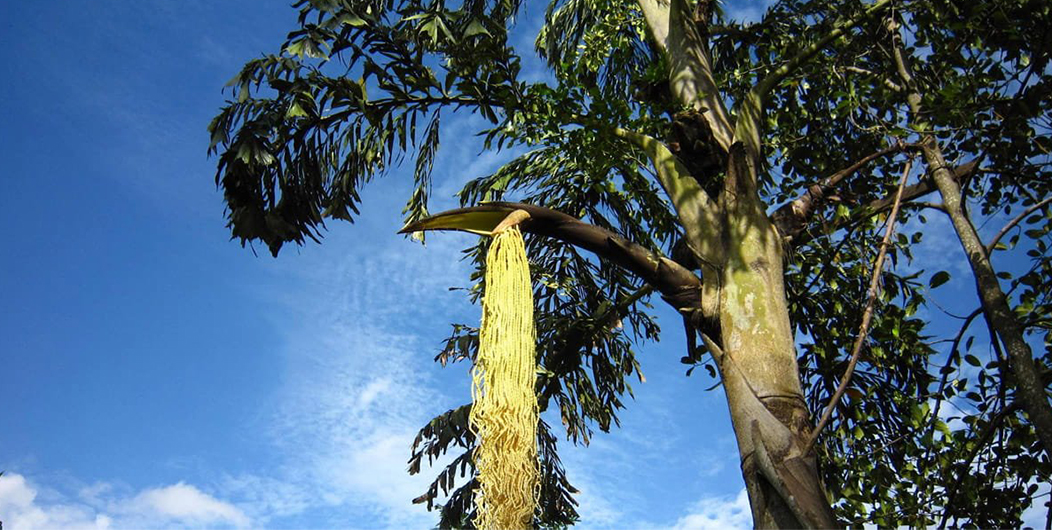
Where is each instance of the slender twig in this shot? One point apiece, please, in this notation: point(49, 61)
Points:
point(1011, 224)
point(871, 297)
point(776, 76)
point(887, 82)
point(946, 372)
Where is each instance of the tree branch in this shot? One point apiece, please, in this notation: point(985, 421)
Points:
point(1000, 318)
point(909, 194)
point(867, 314)
point(747, 128)
point(778, 74)
point(887, 82)
point(690, 67)
point(1011, 224)
point(678, 286)
point(791, 218)
point(698, 214)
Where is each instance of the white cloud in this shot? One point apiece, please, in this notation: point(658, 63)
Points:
point(20, 510)
point(264, 499)
point(349, 414)
point(24, 506)
point(718, 513)
point(187, 503)
point(595, 506)
point(359, 378)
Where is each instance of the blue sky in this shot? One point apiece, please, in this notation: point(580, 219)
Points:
point(156, 374)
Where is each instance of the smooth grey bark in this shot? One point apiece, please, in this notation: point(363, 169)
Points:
point(999, 316)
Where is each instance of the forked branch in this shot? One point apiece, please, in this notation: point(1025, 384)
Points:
point(909, 195)
point(675, 31)
point(791, 218)
point(698, 213)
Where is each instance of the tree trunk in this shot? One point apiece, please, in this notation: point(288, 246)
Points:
point(757, 361)
point(740, 252)
point(999, 316)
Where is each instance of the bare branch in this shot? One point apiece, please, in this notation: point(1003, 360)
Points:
point(867, 314)
point(678, 286)
point(1011, 224)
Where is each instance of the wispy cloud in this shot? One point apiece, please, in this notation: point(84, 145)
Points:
point(183, 502)
point(359, 378)
point(23, 507)
point(718, 513)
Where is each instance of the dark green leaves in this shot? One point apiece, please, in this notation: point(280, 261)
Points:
point(302, 136)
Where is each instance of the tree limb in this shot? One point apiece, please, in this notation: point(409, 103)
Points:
point(1000, 318)
point(909, 194)
point(791, 217)
point(867, 314)
point(1011, 224)
point(697, 212)
point(690, 67)
point(887, 82)
point(679, 287)
point(778, 74)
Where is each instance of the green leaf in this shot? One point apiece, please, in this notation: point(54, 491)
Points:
point(938, 279)
point(351, 19)
point(295, 110)
point(475, 28)
point(972, 360)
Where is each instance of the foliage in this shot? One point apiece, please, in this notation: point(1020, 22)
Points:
point(927, 438)
point(929, 432)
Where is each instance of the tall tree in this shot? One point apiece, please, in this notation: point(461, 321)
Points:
point(741, 172)
point(964, 84)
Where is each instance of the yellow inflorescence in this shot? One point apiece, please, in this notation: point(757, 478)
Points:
point(504, 413)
